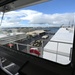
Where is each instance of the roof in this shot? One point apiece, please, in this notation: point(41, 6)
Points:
point(3, 35)
point(45, 36)
point(64, 35)
point(36, 32)
point(7, 38)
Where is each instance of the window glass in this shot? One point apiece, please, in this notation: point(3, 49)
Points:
point(45, 30)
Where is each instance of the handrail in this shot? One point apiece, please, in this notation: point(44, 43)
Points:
point(24, 44)
point(60, 42)
point(50, 51)
point(59, 53)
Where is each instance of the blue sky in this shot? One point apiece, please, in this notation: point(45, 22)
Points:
point(55, 12)
point(54, 6)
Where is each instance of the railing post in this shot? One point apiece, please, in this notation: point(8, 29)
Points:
point(57, 52)
point(17, 46)
point(0, 63)
point(41, 50)
point(28, 49)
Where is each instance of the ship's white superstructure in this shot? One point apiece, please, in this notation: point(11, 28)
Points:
point(58, 49)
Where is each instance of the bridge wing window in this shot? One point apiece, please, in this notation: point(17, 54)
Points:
point(40, 31)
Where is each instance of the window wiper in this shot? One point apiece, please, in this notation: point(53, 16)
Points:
point(2, 18)
point(3, 11)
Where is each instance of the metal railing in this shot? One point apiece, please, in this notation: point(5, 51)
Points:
point(26, 47)
point(59, 52)
point(41, 48)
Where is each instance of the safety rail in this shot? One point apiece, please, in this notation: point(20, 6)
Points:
point(25, 48)
point(60, 52)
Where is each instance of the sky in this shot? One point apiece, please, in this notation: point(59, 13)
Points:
point(51, 13)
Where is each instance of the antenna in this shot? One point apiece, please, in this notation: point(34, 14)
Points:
point(74, 19)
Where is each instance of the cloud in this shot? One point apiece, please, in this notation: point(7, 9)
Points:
point(18, 18)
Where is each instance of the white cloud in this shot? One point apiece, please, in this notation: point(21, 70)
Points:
point(14, 18)
point(52, 19)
